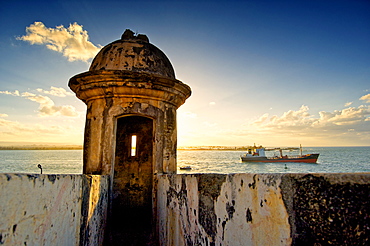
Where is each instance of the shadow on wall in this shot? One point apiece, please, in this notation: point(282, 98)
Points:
point(94, 209)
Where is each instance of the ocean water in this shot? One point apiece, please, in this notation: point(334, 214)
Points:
point(331, 160)
point(52, 161)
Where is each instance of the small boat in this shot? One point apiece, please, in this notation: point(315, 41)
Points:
point(257, 154)
point(185, 168)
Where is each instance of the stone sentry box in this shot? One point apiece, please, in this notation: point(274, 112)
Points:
point(132, 96)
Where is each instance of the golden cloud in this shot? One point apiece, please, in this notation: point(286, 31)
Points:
point(47, 106)
point(73, 42)
point(366, 98)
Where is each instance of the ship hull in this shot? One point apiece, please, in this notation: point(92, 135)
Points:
point(310, 158)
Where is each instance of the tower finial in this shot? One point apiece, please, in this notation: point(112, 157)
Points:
point(128, 34)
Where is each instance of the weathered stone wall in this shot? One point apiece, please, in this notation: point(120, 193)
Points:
point(264, 209)
point(52, 209)
point(198, 209)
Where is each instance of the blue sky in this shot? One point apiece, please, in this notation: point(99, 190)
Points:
point(265, 72)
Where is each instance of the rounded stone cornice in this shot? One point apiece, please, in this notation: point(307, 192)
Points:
point(117, 83)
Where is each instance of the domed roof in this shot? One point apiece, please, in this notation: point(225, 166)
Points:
point(133, 53)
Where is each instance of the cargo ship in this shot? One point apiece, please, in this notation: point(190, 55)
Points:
point(257, 154)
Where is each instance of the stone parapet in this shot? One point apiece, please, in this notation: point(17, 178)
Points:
point(264, 209)
point(194, 209)
point(53, 209)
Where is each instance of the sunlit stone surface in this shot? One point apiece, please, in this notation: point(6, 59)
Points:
point(52, 209)
point(130, 90)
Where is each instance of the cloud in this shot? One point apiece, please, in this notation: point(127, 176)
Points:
point(290, 118)
point(15, 93)
point(212, 103)
point(55, 91)
point(300, 121)
point(15, 131)
point(3, 115)
point(347, 116)
point(73, 42)
point(366, 98)
point(14, 126)
point(261, 119)
point(47, 106)
point(348, 104)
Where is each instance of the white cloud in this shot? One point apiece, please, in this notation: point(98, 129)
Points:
point(15, 93)
point(47, 106)
point(366, 98)
point(73, 42)
point(261, 119)
point(51, 110)
point(212, 103)
point(3, 115)
point(347, 116)
point(43, 100)
point(291, 118)
point(348, 104)
point(56, 91)
point(352, 118)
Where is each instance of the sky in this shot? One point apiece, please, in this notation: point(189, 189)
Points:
point(275, 73)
